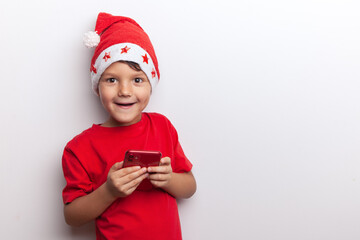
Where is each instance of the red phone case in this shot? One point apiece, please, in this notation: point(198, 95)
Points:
point(143, 159)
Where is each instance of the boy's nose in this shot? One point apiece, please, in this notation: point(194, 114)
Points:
point(125, 89)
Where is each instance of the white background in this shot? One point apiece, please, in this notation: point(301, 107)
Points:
point(264, 95)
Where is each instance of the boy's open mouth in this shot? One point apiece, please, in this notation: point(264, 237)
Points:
point(124, 104)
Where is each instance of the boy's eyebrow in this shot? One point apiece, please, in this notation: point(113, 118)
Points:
point(105, 74)
point(140, 73)
point(111, 74)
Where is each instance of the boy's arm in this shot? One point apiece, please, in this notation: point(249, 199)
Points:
point(179, 185)
point(121, 182)
point(88, 207)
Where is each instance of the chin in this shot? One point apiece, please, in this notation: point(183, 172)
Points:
point(126, 121)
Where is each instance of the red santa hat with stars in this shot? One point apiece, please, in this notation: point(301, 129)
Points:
point(120, 38)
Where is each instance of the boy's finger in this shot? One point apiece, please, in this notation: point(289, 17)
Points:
point(160, 169)
point(153, 169)
point(165, 161)
point(133, 184)
point(157, 177)
point(125, 171)
point(132, 175)
point(138, 180)
point(116, 166)
point(128, 170)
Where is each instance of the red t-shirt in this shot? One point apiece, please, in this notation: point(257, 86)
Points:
point(87, 158)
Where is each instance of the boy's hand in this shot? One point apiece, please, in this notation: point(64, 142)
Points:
point(121, 182)
point(160, 176)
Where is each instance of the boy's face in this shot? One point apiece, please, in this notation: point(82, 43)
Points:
point(124, 93)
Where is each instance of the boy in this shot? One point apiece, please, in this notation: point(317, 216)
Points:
point(124, 70)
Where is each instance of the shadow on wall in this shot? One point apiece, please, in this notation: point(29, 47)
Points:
point(86, 231)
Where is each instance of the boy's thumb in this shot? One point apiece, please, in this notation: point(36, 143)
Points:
point(117, 166)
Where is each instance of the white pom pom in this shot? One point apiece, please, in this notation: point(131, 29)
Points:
point(91, 39)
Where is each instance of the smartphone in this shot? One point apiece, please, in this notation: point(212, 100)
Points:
point(142, 158)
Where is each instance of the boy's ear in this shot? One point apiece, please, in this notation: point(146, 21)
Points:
point(97, 91)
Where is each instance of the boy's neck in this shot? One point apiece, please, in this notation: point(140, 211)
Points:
point(111, 122)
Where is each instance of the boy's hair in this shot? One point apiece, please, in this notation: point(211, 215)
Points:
point(132, 65)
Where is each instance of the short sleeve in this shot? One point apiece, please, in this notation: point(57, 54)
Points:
point(78, 182)
point(181, 163)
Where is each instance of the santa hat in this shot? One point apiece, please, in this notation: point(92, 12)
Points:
point(120, 38)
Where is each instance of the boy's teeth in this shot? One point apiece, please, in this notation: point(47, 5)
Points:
point(125, 104)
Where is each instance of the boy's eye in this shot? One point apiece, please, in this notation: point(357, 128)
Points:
point(138, 80)
point(111, 80)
